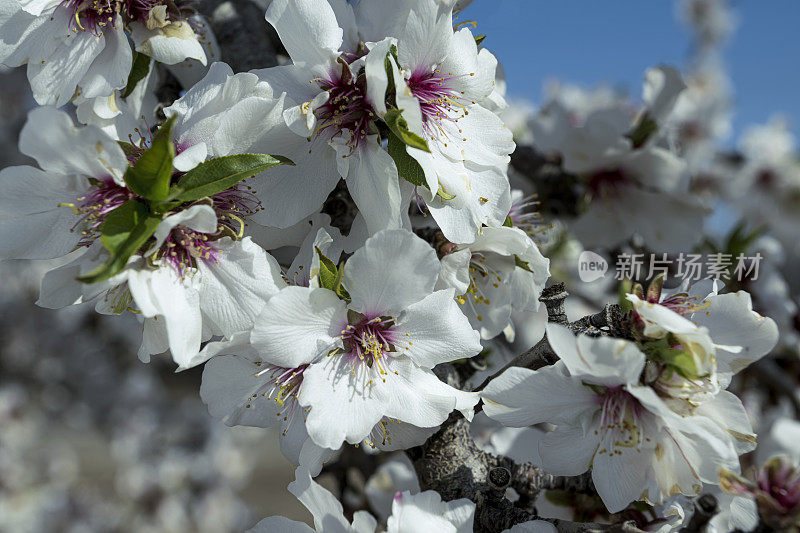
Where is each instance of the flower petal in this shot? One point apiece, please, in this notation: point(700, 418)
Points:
point(394, 269)
point(568, 451)
point(235, 288)
point(434, 330)
point(600, 360)
point(299, 325)
point(308, 30)
point(521, 397)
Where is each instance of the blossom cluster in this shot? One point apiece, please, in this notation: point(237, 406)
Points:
point(210, 218)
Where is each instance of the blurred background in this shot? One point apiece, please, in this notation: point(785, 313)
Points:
point(93, 440)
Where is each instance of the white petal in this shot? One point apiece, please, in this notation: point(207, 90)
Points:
point(394, 269)
point(372, 181)
point(621, 478)
point(418, 397)
point(235, 289)
point(534, 526)
point(59, 147)
point(164, 294)
point(299, 325)
point(663, 85)
point(601, 360)
point(110, 69)
point(190, 157)
point(271, 524)
point(568, 451)
point(291, 193)
point(201, 218)
point(455, 271)
point(434, 330)
point(308, 30)
point(425, 40)
point(375, 72)
point(731, 321)
point(521, 397)
point(363, 522)
point(727, 411)
point(32, 225)
point(169, 45)
point(390, 434)
point(37, 7)
point(232, 391)
point(61, 59)
point(325, 508)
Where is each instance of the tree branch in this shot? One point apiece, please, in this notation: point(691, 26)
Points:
point(611, 318)
point(452, 464)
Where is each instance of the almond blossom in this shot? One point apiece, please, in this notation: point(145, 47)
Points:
point(637, 447)
point(441, 83)
point(192, 273)
point(81, 46)
point(371, 355)
point(502, 270)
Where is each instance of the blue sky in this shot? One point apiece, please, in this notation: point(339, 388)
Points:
point(590, 42)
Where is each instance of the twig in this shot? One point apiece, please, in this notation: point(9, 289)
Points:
point(542, 354)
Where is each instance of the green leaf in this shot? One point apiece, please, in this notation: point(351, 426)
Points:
point(508, 222)
point(128, 149)
point(408, 167)
point(522, 264)
point(327, 271)
point(221, 173)
point(330, 277)
point(391, 55)
point(643, 130)
point(125, 230)
point(150, 176)
point(681, 361)
point(399, 126)
point(479, 39)
point(139, 69)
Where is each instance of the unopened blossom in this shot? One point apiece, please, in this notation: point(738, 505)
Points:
point(776, 490)
point(503, 270)
point(198, 276)
point(81, 46)
point(442, 81)
point(719, 334)
point(370, 357)
point(636, 446)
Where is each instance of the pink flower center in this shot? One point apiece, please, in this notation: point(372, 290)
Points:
point(438, 99)
point(607, 182)
point(96, 15)
point(184, 246)
point(369, 340)
point(96, 204)
point(347, 108)
point(620, 419)
point(782, 484)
